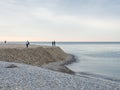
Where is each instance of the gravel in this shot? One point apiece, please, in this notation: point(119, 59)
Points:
point(27, 77)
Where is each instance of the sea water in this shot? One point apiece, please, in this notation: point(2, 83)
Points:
point(101, 58)
point(95, 58)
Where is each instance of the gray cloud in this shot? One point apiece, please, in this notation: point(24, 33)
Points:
point(79, 20)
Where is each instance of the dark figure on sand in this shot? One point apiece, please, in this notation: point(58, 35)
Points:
point(27, 44)
point(53, 43)
point(5, 42)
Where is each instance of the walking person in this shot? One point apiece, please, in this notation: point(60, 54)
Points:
point(27, 43)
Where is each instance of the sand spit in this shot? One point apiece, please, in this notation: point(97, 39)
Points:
point(48, 57)
point(35, 55)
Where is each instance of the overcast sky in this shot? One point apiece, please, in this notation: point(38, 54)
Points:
point(60, 20)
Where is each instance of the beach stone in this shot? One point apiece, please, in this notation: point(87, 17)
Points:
point(11, 66)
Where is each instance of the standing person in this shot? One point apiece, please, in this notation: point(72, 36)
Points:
point(5, 42)
point(27, 43)
point(54, 43)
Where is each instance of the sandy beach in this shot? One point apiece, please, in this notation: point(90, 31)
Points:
point(45, 56)
point(34, 68)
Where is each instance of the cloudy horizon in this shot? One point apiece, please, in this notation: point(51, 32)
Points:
point(60, 20)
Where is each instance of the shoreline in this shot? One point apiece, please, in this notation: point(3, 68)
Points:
point(28, 77)
point(60, 65)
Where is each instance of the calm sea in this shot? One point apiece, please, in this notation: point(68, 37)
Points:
point(101, 58)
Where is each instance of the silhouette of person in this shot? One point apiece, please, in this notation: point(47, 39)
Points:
point(5, 42)
point(27, 44)
point(54, 43)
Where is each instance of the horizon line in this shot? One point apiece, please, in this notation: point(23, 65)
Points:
point(67, 41)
